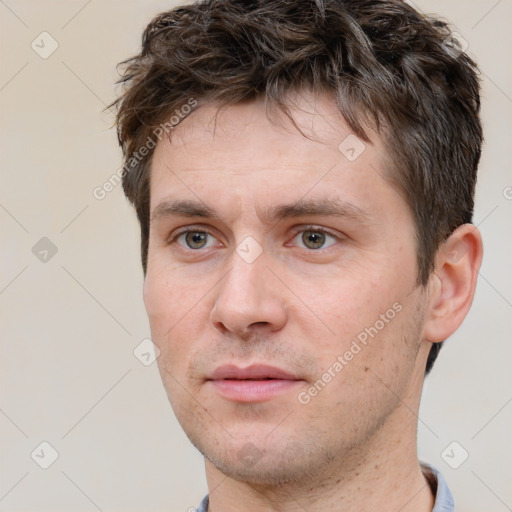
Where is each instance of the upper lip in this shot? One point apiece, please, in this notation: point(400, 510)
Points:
point(255, 371)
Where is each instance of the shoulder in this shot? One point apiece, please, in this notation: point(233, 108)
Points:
point(203, 506)
point(443, 497)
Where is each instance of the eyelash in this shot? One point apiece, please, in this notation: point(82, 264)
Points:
point(314, 229)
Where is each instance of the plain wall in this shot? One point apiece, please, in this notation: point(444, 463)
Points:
point(69, 325)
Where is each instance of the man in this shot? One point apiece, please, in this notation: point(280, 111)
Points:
point(303, 173)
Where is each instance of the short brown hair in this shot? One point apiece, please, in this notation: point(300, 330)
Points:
point(389, 67)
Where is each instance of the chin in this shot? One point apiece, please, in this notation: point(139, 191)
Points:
point(265, 464)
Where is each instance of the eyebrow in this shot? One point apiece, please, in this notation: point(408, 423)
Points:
point(183, 208)
point(304, 207)
point(321, 207)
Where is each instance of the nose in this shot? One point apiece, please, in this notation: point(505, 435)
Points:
point(249, 298)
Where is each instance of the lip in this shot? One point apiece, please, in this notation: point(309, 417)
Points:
point(255, 372)
point(255, 383)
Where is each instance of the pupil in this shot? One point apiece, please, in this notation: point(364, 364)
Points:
point(195, 239)
point(313, 240)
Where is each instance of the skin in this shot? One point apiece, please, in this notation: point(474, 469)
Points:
point(353, 446)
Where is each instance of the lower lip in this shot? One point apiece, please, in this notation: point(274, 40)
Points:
point(252, 390)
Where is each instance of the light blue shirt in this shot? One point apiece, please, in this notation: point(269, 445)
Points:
point(443, 501)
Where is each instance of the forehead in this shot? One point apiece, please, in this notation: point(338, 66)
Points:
point(248, 127)
point(241, 151)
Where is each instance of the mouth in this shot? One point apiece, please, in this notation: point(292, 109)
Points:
point(255, 383)
point(253, 372)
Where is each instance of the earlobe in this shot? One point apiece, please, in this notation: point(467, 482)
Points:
point(452, 284)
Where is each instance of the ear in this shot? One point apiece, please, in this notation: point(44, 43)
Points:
point(452, 284)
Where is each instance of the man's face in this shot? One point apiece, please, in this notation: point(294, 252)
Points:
point(302, 293)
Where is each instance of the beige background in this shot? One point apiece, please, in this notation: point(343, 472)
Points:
point(69, 325)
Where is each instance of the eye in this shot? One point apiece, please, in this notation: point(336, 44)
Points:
point(315, 238)
point(194, 239)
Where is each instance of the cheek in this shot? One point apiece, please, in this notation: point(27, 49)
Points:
point(158, 303)
point(347, 306)
point(169, 297)
point(177, 313)
point(368, 371)
point(366, 319)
